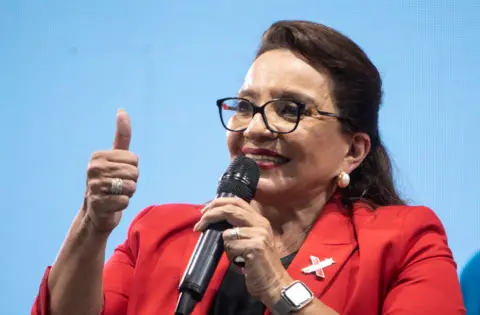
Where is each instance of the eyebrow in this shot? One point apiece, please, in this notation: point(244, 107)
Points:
point(247, 93)
point(298, 96)
point(283, 93)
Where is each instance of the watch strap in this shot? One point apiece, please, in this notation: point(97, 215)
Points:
point(284, 306)
point(281, 307)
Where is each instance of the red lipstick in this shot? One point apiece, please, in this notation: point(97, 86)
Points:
point(265, 159)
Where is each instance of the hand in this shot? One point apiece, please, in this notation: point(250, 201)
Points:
point(264, 273)
point(101, 206)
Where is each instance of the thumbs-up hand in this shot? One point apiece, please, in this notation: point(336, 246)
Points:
point(111, 179)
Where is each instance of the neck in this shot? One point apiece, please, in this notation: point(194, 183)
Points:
point(291, 221)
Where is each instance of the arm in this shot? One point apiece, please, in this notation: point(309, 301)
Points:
point(76, 272)
point(427, 281)
point(80, 283)
point(74, 284)
point(75, 280)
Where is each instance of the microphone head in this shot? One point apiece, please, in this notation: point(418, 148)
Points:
point(240, 179)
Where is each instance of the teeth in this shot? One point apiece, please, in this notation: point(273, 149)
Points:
point(266, 158)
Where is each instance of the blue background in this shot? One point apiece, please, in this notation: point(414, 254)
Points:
point(66, 66)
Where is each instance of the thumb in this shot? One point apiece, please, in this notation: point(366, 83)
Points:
point(123, 131)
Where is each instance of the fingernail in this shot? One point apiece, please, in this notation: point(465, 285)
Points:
point(204, 209)
point(195, 228)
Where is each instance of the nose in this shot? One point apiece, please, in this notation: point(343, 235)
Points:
point(257, 130)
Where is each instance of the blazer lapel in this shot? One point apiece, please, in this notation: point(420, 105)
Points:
point(330, 237)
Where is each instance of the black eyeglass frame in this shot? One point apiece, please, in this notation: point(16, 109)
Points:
point(261, 110)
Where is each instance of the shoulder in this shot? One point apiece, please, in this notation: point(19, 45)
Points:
point(407, 247)
point(409, 233)
point(401, 219)
point(166, 217)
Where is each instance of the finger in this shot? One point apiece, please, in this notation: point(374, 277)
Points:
point(123, 132)
point(101, 168)
point(241, 248)
point(239, 202)
point(120, 156)
point(232, 214)
point(206, 207)
point(237, 233)
point(108, 203)
point(103, 186)
point(261, 240)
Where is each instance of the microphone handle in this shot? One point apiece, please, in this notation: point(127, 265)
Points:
point(205, 258)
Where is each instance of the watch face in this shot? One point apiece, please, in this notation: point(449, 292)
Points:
point(298, 294)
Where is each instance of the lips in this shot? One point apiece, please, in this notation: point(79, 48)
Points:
point(265, 158)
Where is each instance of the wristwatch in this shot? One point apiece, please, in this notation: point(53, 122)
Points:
point(293, 298)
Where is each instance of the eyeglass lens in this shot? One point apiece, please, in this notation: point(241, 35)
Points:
point(280, 115)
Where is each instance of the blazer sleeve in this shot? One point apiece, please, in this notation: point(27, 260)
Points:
point(117, 277)
point(427, 281)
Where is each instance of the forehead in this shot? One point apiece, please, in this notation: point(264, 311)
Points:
point(277, 71)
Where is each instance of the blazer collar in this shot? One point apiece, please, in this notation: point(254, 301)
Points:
point(332, 236)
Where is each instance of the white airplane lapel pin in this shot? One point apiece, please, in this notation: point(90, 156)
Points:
point(318, 265)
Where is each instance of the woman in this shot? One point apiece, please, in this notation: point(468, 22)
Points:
point(325, 199)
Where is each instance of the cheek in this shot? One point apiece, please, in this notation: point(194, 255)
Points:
point(235, 141)
point(320, 150)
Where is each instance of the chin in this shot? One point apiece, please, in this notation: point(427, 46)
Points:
point(269, 188)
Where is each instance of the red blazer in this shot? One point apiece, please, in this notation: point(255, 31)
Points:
point(399, 263)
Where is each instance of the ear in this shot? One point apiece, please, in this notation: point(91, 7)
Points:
point(359, 147)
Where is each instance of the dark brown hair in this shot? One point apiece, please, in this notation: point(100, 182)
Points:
point(357, 93)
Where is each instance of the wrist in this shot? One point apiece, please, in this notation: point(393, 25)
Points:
point(290, 297)
point(86, 227)
point(273, 295)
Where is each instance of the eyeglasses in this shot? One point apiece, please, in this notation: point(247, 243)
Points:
point(279, 115)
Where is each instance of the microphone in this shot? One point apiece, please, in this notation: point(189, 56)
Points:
point(239, 180)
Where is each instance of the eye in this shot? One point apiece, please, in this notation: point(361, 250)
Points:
point(243, 106)
point(286, 108)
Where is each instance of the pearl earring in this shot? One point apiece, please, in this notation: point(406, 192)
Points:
point(343, 179)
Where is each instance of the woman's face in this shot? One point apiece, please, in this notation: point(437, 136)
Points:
point(315, 152)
